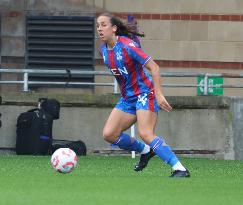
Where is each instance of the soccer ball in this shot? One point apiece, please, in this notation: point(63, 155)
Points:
point(64, 160)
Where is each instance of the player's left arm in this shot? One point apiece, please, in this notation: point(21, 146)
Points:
point(145, 60)
point(155, 72)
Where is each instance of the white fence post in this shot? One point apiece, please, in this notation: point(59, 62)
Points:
point(115, 86)
point(133, 135)
point(26, 79)
point(205, 84)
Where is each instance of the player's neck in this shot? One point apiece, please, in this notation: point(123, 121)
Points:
point(112, 42)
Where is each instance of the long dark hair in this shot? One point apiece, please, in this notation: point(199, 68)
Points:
point(122, 28)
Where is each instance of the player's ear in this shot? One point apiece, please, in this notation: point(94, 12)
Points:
point(114, 28)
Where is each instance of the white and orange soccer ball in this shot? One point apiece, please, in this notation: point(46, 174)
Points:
point(64, 160)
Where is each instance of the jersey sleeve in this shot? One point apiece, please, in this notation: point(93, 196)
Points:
point(137, 53)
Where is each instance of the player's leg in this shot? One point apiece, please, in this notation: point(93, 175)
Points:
point(146, 101)
point(118, 122)
point(146, 120)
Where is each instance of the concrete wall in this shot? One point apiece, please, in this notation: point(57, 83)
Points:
point(199, 126)
point(237, 109)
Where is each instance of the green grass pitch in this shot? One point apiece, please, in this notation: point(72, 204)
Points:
point(29, 180)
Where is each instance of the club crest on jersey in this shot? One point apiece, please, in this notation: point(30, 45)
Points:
point(119, 56)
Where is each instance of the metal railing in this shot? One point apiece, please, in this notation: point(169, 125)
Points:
point(203, 85)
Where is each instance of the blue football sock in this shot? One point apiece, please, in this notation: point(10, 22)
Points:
point(129, 143)
point(163, 151)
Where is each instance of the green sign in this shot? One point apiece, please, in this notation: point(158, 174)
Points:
point(212, 81)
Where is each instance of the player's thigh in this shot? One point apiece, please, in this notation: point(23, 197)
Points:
point(117, 122)
point(146, 122)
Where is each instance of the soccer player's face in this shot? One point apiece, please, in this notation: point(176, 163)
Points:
point(105, 29)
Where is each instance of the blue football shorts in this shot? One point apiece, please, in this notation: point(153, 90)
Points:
point(145, 101)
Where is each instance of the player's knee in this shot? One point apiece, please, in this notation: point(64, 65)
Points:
point(146, 135)
point(109, 135)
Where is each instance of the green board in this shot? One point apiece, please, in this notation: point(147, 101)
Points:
point(211, 81)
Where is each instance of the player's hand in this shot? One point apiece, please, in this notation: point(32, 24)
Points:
point(162, 102)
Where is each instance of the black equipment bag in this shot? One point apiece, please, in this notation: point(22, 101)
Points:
point(34, 132)
point(78, 146)
point(51, 106)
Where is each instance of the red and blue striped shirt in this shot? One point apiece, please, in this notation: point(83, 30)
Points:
point(126, 62)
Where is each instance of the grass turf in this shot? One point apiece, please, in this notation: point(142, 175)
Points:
point(27, 180)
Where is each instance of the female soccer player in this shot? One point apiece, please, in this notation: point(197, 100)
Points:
point(141, 95)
